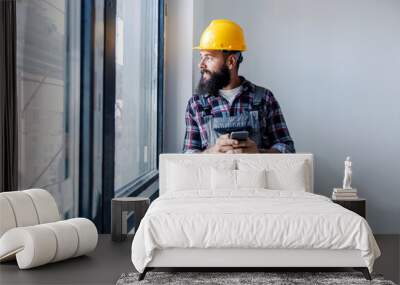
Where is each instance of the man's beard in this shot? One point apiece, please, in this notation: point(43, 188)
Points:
point(215, 82)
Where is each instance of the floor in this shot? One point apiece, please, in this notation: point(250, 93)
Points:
point(110, 260)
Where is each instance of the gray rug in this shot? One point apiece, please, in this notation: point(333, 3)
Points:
point(230, 278)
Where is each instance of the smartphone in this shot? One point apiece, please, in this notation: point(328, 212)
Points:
point(239, 135)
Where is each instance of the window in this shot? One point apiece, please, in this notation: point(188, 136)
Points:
point(136, 57)
point(48, 80)
point(89, 79)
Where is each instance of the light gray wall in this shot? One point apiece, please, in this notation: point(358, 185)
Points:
point(334, 68)
point(178, 71)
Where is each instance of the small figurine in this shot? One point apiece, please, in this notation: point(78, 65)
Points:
point(347, 174)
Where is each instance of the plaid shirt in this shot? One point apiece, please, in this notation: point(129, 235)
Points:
point(274, 132)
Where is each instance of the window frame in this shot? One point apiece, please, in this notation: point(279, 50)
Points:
point(101, 213)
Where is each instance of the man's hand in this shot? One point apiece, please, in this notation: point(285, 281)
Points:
point(247, 146)
point(226, 145)
point(223, 145)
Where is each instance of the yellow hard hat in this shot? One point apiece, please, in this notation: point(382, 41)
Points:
point(222, 35)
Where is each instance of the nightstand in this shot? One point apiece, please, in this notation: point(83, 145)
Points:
point(120, 209)
point(358, 206)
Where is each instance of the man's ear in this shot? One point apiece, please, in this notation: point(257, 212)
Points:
point(231, 61)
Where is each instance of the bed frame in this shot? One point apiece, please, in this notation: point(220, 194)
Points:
point(242, 259)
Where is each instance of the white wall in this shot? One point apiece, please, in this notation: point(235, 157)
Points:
point(333, 66)
point(178, 71)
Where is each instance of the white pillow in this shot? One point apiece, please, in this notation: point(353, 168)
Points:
point(223, 179)
point(193, 175)
point(289, 177)
point(251, 178)
point(281, 174)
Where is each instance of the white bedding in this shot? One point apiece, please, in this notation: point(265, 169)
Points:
point(252, 218)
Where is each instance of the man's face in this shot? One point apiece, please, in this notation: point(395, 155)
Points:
point(215, 74)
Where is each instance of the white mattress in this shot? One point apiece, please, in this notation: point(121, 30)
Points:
point(253, 218)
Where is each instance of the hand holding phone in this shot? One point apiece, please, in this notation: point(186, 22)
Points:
point(239, 135)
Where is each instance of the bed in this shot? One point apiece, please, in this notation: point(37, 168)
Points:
point(248, 210)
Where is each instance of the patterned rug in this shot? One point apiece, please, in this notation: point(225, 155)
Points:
point(242, 278)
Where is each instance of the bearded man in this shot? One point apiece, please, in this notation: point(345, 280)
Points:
point(225, 102)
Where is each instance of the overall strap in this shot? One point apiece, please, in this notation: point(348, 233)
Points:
point(259, 94)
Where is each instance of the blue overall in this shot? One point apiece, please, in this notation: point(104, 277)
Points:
point(248, 121)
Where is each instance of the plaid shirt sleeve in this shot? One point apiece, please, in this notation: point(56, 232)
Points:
point(192, 141)
point(277, 130)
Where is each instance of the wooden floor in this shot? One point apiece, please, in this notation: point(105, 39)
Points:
point(110, 260)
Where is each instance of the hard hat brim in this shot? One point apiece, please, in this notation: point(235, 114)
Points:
point(201, 48)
